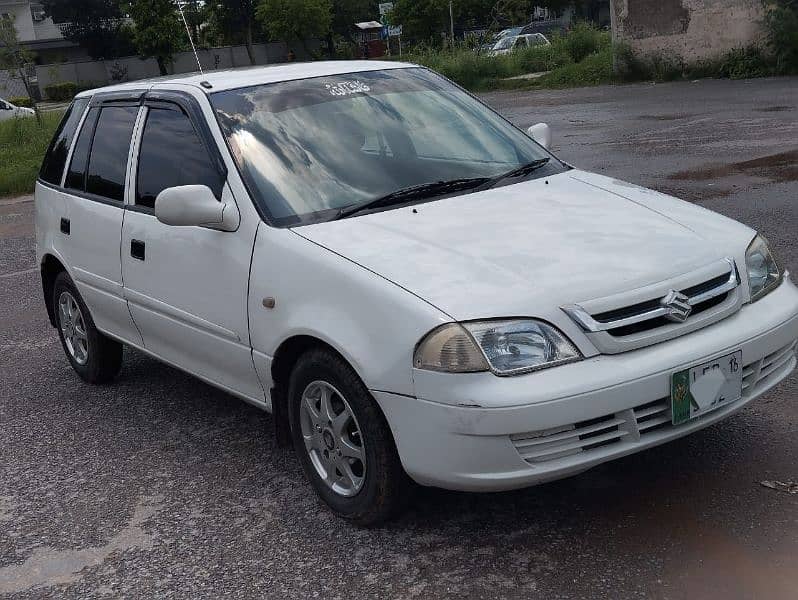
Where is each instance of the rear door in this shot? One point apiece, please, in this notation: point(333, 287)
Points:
point(93, 188)
point(187, 286)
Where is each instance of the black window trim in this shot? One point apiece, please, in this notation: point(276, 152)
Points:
point(184, 101)
point(98, 100)
point(186, 104)
point(53, 141)
point(71, 155)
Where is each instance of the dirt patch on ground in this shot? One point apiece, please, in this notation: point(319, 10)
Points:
point(770, 109)
point(779, 167)
point(674, 117)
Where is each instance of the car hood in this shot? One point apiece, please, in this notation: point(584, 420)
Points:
point(524, 249)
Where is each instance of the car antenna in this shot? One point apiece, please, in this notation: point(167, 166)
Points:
point(188, 32)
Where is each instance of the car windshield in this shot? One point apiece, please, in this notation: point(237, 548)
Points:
point(510, 32)
point(309, 148)
point(505, 43)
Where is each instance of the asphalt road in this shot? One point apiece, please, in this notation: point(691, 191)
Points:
point(160, 486)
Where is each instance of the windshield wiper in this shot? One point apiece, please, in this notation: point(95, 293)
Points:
point(414, 192)
point(520, 171)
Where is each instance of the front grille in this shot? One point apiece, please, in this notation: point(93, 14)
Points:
point(551, 444)
point(637, 424)
point(770, 368)
point(662, 321)
point(684, 303)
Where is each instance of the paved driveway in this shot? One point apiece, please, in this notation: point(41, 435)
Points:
point(159, 485)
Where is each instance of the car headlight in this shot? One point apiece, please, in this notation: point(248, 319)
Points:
point(764, 274)
point(506, 347)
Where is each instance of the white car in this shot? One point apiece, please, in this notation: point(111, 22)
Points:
point(512, 43)
point(11, 111)
point(417, 290)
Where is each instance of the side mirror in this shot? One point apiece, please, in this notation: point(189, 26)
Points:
point(189, 205)
point(541, 133)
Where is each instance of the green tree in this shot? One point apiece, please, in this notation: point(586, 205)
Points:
point(14, 56)
point(427, 19)
point(301, 20)
point(781, 21)
point(159, 32)
point(96, 25)
point(233, 22)
point(345, 13)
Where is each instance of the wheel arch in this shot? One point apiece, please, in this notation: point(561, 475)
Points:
point(285, 358)
point(50, 268)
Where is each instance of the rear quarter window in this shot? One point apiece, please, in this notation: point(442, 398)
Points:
point(56, 156)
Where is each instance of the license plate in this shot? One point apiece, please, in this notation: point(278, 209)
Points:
point(703, 388)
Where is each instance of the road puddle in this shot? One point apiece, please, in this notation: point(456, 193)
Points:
point(780, 168)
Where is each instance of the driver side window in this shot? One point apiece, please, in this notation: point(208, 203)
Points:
point(172, 154)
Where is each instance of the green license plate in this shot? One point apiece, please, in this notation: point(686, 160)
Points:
point(706, 387)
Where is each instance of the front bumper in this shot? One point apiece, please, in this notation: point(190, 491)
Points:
point(479, 432)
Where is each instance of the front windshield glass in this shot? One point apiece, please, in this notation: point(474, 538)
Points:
point(309, 148)
point(505, 42)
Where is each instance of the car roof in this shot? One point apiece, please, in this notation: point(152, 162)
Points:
point(228, 79)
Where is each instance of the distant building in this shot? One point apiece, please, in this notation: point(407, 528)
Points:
point(38, 33)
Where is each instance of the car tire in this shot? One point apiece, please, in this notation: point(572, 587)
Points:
point(371, 489)
point(95, 357)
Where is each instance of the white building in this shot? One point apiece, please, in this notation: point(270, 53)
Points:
point(39, 33)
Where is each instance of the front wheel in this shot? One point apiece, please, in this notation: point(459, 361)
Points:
point(343, 441)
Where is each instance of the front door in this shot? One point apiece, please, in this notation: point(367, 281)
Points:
point(187, 286)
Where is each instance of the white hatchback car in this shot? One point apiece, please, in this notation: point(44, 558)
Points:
point(512, 43)
point(12, 111)
point(417, 290)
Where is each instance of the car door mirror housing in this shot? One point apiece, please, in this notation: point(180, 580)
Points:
point(541, 133)
point(189, 205)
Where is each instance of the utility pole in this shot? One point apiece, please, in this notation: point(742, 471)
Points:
point(451, 22)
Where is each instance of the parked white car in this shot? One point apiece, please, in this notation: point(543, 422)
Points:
point(512, 43)
point(11, 111)
point(417, 290)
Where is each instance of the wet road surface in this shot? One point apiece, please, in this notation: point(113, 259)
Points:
point(158, 485)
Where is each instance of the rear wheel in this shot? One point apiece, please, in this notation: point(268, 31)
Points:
point(343, 441)
point(95, 357)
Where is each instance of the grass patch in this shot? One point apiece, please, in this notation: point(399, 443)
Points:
point(585, 56)
point(582, 57)
point(23, 143)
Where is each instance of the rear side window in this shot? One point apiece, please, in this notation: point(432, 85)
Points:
point(109, 152)
point(55, 159)
point(76, 176)
point(170, 139)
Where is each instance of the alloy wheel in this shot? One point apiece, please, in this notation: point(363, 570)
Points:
point(333, 438)
point(73, 328)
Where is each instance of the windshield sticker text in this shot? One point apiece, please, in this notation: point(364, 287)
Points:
point(346, 88)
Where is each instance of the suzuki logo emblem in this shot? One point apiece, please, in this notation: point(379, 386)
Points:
point(677, 306)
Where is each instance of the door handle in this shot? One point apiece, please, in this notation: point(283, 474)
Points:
point(64, 226)
point(137, 249)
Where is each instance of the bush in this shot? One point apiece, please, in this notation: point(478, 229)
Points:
point(781, 21)
point(464, 66)
point(541, 58)
point(593, 70)
point(583, 41)
point(745, 63)
point(61, 92)
point(23, 101)
point(628, 67)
